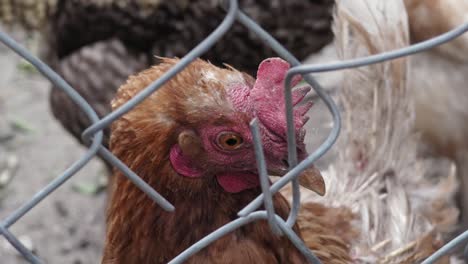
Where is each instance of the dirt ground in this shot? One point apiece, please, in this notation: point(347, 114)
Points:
point(68, 226)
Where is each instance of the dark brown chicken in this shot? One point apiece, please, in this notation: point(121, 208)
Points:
point(95, 45)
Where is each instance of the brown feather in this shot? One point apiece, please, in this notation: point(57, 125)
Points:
point(328, 232)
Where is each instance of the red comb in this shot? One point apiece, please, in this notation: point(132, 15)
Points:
point(267, 97)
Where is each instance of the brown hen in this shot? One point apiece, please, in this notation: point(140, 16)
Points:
point(190, 141)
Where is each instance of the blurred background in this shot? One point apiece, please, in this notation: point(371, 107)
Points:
point(68, 226)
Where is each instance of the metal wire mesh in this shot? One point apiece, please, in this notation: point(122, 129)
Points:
point(94, 135)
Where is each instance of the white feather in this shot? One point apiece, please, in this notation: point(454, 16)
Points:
point(377, 172)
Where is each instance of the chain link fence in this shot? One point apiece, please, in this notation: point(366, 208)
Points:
point(93, 135)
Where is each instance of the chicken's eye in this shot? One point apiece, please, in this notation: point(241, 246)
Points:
point(229, 140)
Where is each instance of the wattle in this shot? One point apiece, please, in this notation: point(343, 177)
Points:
point(234, 182)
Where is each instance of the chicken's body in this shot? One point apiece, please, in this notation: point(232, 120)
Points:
point(328, 231)
point(439, 85)
point(141, 232)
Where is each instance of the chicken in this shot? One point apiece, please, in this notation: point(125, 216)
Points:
point(435, 17)
point(442, 114)
point(437, 85)
point(119, 38)
point(384, 202)
point(191, 142)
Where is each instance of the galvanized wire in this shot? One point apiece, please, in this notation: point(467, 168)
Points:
point(94, 135)
point(263, 174)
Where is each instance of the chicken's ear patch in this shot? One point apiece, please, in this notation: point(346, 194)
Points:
point(189, 143)
point(181, 155)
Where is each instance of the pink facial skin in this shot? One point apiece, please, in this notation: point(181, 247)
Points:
point(236, 170)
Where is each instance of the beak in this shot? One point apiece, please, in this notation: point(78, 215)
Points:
point(310, 179)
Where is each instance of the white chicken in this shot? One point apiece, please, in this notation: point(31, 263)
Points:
point(402, 202)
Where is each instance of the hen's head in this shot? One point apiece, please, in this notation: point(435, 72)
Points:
point(199, 121)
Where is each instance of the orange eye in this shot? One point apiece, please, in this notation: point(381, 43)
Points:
point(230, 140)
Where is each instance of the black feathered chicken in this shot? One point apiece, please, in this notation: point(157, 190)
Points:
point(96, 44)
